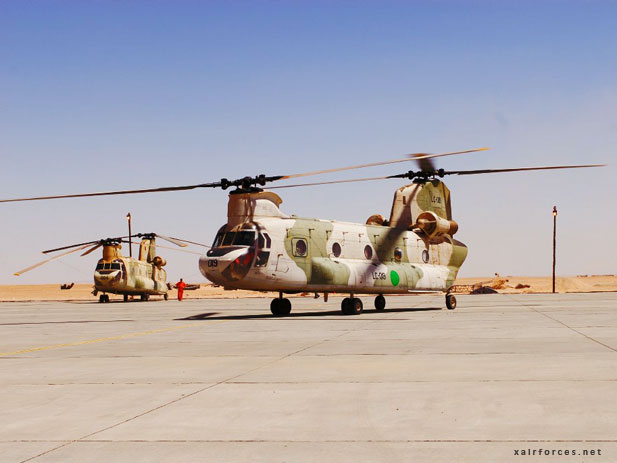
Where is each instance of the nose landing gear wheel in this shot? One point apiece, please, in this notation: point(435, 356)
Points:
point(145, 297)
point(380, 303)
point(351, 306)
point(450, 301)
point(280, 307)
point(166, 296)
point(126, 298)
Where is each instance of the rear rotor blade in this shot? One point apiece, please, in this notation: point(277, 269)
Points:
point(50, 259)
point(409, 157)
point(518, 169)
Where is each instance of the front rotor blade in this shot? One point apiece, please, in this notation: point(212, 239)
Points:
point(119, 192)
point(366, 179)
point(518, 169)
point(409, 157)
point(38, 264)
point(93, 248)
point(89, 243)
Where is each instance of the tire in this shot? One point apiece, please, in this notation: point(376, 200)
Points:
point(126, 298)
point(346, 306)
point(165, 296)
point(280, 307)
point(145, 297)
point(101, 298)
point(450, 301)
point(380, 303)
point(351, 306)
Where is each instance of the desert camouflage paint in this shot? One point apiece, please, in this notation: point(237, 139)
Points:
point(292, 254)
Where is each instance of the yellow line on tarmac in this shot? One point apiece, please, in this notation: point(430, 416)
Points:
point(92, 341)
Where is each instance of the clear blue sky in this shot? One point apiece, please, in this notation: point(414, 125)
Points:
point(113, 95)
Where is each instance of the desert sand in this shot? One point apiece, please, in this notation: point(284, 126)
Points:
point(503, 284)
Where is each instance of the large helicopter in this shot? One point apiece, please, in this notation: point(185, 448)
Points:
point(260, 248)
point(118, 274)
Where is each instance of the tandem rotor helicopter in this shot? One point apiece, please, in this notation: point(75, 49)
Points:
point(117, 274)
point(260, 248)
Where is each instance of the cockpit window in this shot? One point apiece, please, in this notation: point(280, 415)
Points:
point(244, 238)
point(228, 239)
point(219, 237)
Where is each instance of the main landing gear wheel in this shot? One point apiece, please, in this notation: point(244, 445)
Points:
point(166, 296)
point(280, 307)
point(145, 297)
point(450, 301)
point(126, 298)
point(103, 298)
point(351, 306)
point(380, 303)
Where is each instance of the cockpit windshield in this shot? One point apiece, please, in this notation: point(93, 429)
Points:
point(234, 238)
point(244, 238)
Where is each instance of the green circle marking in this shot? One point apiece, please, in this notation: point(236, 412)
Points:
point(394, 278)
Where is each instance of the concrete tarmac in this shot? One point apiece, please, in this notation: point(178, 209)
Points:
point(222, 380)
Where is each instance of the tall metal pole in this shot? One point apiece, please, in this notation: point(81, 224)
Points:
point(554, 241)
point(128, 217)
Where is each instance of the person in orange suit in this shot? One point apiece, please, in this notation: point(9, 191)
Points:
point(180, 286)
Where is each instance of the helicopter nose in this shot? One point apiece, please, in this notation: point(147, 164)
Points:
point(107, 278)
point(230, 266)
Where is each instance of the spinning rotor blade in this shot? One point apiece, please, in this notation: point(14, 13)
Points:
point(417, 156)
point(93, 248)
point(50, 259)
point(245, 183)
point(518, 169)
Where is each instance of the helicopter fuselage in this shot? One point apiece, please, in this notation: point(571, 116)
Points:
point(125, 275)
point(291, 254)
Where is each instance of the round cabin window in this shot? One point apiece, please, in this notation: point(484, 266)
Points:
point(425, 256)
point(398, 254)
point(368, 252)
point(336, 249)
point(301, 248)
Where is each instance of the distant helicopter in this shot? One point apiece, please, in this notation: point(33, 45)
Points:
point(117, 274)
point(262, 249)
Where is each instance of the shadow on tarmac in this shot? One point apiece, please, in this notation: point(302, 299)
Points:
point(213, 315)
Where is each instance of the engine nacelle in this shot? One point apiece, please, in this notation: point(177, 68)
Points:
point(434, 226)
point(159, 262)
